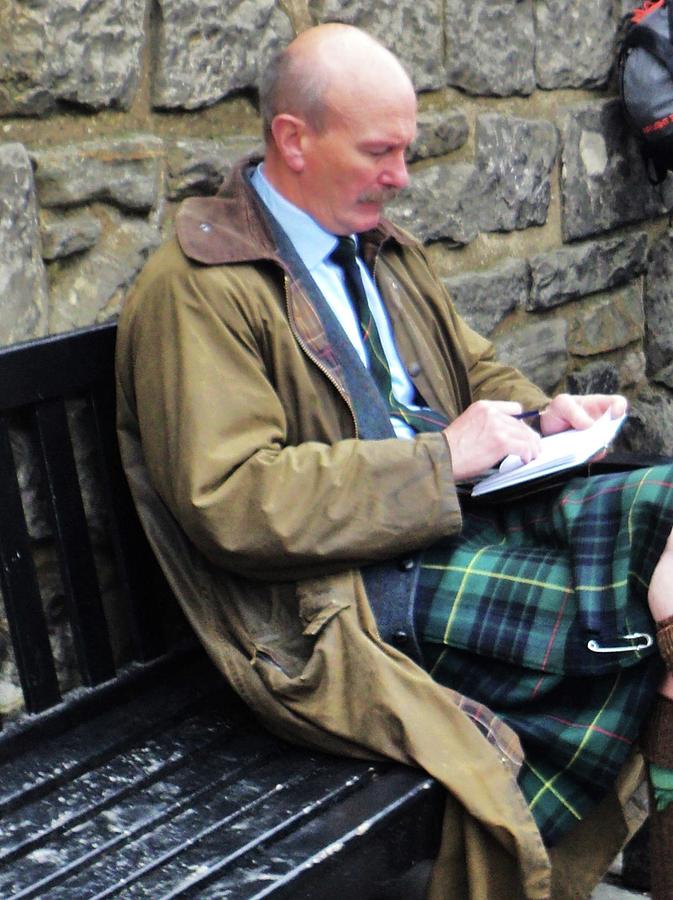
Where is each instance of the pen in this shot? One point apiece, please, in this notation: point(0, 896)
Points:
point(527, 415)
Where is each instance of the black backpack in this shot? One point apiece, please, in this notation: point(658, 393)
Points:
point(646, 83)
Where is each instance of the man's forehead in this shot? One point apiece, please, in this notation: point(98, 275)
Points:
point(363, 102)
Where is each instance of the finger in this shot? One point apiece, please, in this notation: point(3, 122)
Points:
point(618, 406)
point(528, 446)
point(572, 410)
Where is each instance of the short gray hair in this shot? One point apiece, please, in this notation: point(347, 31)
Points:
point(289, 85)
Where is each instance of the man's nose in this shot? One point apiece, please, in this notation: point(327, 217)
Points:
point(395, 174)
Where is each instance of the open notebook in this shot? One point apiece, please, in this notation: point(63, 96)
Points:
point(559, 451)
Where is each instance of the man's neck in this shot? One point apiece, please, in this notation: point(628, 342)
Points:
point(279, 178)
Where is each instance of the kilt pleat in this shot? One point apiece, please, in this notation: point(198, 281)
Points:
point(507, 611)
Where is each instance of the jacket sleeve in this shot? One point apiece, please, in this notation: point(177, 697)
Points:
point(491, 379)
point(472, 356)
point(215, 439)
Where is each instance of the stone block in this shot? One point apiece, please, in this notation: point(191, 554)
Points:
point(438, 204)
point(438, 133)
point(484, 299)
point(572, 272)
point(602, 376)
point(607, 322)
point(411, 29)
point(538, 350)
point(31, 484)
point(199, 166)
point(23, 288)
point(207, 50)
point(596, 378)
point(575, 43)
point(91, 289)
point(68, 233)
point(514, 158)
point(604, 182)
point(658, 302)
point(65, 50)
point(122, 172)
point(490, 46)
point(649, 428)
point(632, 368)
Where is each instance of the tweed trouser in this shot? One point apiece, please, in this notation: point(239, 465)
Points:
point(529, 611)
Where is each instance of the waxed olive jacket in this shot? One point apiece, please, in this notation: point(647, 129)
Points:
point(262, 504)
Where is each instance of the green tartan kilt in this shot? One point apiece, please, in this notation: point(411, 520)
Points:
point(532, 611)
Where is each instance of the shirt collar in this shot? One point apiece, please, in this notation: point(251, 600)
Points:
point(310, 240)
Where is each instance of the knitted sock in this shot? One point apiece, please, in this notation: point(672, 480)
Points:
point(662, 784)
point(657, 745)
point(665, 641)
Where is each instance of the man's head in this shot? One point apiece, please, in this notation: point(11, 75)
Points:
point(339, 112)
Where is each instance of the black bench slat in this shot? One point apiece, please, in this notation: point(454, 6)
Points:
point(277, 844)
point(133, 769)
point(231, 817)
point(352, 853)
point(78, 569)
point(144, 589)
point(21, 592)
point(175, 781)
point(57, 366)
point(87, 744)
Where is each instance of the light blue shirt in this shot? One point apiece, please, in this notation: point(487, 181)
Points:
point(314, 245)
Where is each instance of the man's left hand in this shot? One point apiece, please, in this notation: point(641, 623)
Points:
point(579, 411)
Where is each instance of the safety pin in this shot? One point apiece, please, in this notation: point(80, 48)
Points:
point(595, 647)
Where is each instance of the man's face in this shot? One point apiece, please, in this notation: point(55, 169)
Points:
point(356, 163)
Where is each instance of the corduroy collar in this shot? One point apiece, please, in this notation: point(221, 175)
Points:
point(230, 227)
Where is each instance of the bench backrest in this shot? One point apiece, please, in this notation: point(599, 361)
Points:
point(39, 381)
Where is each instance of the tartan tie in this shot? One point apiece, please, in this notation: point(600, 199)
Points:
point(421, 419)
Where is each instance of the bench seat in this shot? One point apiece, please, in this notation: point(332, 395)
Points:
point(169, 788)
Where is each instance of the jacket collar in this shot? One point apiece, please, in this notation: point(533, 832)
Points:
point(231, 226)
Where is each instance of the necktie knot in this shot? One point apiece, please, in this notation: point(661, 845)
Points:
point(345, 252)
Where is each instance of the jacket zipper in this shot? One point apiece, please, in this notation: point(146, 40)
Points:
point(342, 393)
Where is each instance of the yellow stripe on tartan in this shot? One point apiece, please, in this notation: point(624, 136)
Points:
point(498, 576)
point(645, 476)
point(548, 785)
point(461, 590)
point(597, 588)
point(440, 659)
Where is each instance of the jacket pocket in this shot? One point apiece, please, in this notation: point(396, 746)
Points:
point(321, 599)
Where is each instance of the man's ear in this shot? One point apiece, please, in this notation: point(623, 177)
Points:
point(288, 132)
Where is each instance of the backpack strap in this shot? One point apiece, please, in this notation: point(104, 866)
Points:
point(645, 37)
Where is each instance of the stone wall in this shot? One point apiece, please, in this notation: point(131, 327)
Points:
point(529, 192)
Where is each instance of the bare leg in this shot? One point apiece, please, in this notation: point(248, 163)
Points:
point(660, 599)
point(658, 737)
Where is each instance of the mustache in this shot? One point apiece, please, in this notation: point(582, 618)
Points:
point(379, 195)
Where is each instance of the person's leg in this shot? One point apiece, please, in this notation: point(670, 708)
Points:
point(539, 610)
point(658, 738)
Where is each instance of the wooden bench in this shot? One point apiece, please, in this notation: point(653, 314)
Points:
point(132, 770)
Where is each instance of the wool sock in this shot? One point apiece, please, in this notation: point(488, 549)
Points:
point(665, 641)
point(657, 746)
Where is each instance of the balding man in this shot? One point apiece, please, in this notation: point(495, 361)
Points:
point(299, 404)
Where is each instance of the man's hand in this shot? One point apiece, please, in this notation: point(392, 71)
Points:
point(485, 433)
point(578, 411)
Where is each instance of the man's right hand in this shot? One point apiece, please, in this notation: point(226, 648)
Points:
point(485, 433)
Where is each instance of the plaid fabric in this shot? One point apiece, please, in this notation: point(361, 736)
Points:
point(506, 611)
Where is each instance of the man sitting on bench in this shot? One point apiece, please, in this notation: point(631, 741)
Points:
point(299, 404)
